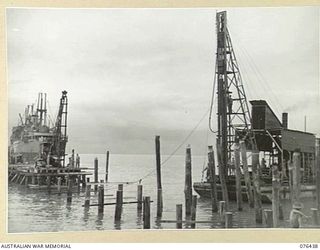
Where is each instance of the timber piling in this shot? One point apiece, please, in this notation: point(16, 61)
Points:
point(238, 176)
point(95, 173)
point(179, 216)
point(146, 212)
point(139, 197)
point(213, 181)
point(246, 172)
point(275, 195)
point(101, 199)
point(159, 184)
point(188, 184)
point(193, 211)
point(107, 167)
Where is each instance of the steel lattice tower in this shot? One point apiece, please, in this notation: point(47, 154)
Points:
point(61, 138)
point(233, 111)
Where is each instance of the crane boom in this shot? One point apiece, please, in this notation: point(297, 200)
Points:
point(60, 130)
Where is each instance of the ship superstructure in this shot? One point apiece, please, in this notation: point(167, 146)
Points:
point(35, 139)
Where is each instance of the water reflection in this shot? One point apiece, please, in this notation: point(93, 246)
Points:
point(86, 214)
point(117, 224)
point(158, 223)
point(139, 220)
point(68, 206)
point(99, 221)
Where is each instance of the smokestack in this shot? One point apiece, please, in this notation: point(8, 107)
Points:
point(285, 120)
point(305, 123)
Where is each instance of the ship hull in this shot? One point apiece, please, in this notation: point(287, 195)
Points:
point(26, 152)
point(204, 190)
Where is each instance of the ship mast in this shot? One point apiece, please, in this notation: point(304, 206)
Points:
point(42, 109)
point(233, 111)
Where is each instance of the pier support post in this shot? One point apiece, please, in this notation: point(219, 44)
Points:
point(229, 223)
point(101, 199)
point(48, 183)
point(213, 181)
point(223, 181)
point(33, 180)
point(188, 183)
point(27, 181)
point(159, 185)
point(317, 170)
point(275, 194)
point(120, 188)
point(268, 218)
point(256, 186)
point(296, 176)
point(146, 212)
point(88, 195)
point(238, 176)
point(281, 217)
point(59, 185)
point(69, 192)
point(96, 174)
point(246, 172)
point(179, 216)
point(78, 183)
point(222, 211)
point(84, 181)
point(315, 217)
point(159, 203)
point(194, 211)
point(139, 197)
point(107, 167)
point(119, 200)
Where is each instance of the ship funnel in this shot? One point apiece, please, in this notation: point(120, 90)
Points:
point(285, 120)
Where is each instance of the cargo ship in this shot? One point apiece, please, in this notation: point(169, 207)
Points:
point(37, 157)
point(34, 141)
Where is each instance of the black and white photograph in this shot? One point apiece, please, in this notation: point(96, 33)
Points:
point(162, 119)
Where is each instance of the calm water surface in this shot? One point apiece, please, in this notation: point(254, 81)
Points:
point(38, 211)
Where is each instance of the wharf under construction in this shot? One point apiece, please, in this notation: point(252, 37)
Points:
point(271, 146)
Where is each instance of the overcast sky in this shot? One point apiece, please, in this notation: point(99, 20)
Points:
point(132, 74)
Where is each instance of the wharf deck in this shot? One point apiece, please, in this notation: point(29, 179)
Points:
point(48, 177)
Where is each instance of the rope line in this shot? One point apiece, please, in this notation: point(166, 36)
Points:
point(176, 149)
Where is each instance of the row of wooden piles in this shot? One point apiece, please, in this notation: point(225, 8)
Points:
point(253, 189)
point(267, 217)
point(270, 217)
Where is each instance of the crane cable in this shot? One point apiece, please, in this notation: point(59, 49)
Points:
point(176, 149)
point(212, 99)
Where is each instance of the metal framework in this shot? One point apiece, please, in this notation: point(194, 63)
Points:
point(60, 138)
point(233, 110)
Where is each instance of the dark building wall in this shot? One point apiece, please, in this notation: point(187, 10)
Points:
point(258, 117)
point(263, 117)
point(292, 140)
